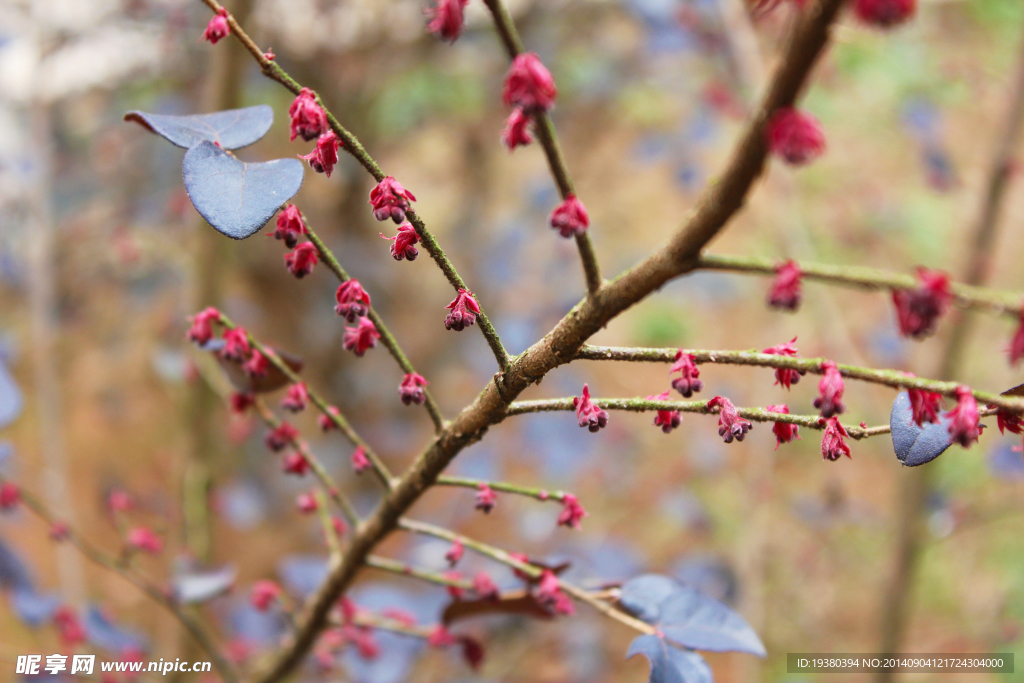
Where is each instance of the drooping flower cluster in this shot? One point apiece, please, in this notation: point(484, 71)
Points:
point(300, 262)
point(295, 463)
point(785, 291)
point(306, 503)
point(455, 553)
point(236, 345)
point(69, 626)
point(325, 422)
point(142, 538)
point(1009, 422)
point(390, 200)
point(549, 594)
point(360, 462)
point(218, 27)
point(325, 155)
point(786, 377)
point(924, 405)
point(918, 310)
point(830, 391)
point(784, 432)
point(411, 389)
point(308, 118)
point(570, 217)
point(10, 496)
point(403, 241)
point(588, 413)
point(353, 300)
point(361, 338)
point(447, 19)
point(257, 365)
point(484, 586)
point(964, 426)
point(833, 442)
point(280, 437)
point(529, 85)
point(572, 512)
point(291, 225)
point(486, 498)
point(201, 330)
point(730, 424)
point(795, 136)
point(687, 383)
point(296, 398)
point(464, 310)
point(884, 13)
point(264, 594)
point(666, 419)
point(517, 130)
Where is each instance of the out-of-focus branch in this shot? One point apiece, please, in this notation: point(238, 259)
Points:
point(396, 567)
point(323, 406)
point(889, 378)
point(965, 295)
point(528, 491)
point(359, 153)
point(545, 130)
point(118, 566)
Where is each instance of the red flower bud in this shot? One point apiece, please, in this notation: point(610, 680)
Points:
point(486, 498)
point(516, 132)
point(218, 27)
point(281, 436)
point(264, 593)
point(549, 594)
point(687, 383)
point(360, 462)
point(353, 301)
point(570, 217)
point(830, 391)
point(10, 496)
point(455, 553)
point(795, 136)
point(918, 310)
point(785, 376)
point(401, 247)
point(257, 365)
point(730, 424)
point(464, 310)
point(529, 84)
point(785, 291)
point(884, 13)
point(573, 513)
point(241, 401)
point(390, 200)
point(784, 431)
point(484, 587)
point(964, 427)
point(142, 538)
point(306, 502)
point(411, 389)
point(308, 118)
point(446, 19)
point(666, 419)
point(295, 463)
point(833, 444)
point(201, 330)
point(236, 345)
point(296, 398)
point(588, 413)
point(300, 262)
point(360, 338)
point(325, 155)
point(924, 405)
point(326, 423)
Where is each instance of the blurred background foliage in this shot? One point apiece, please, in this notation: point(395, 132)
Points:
point(102, 258)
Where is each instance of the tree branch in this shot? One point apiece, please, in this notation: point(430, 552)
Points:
point(964, 295)
point(889, 378)
point(528, 491)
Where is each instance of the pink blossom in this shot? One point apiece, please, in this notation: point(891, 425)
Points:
point(201, 330)
point(440, 637)
point(1009, 422)
point(884, 13)
point(464, 310)
point(516, 132)
point(241, 401)
point(785, 291)
point(785, 376)
point(257, 365)
point(588, 413)
point(573, 513)
point(687, 383)
point(484, 587)
point(486, 498)
point(353, 301)
point(570, 217)
point(69, 627)
point(784, 431)
point(300, 262)
point(290, 226)
point(119, 501)
point(306, 502)
point(666, 419)
point(264, 593)
point(10, 496)
point(308, 118)
point(296, 398)
point(360, 338)
point(833, 443)
point(455, 553)
point(924, 405)
point(142, 538)
point(281, 436)
point(295, 463)
point(446, 19)
point(403, 241)
point(390, 200)
point(457, 592)
point(549, 594)
point(830, 391)
point(218, 27)
point(325, 155)
point(325, 422)
point(918, 310)
point(795, 136)
point(411, 389)
point(360, 462)
point(529, 84)
point(236, 345)
point(730, 424)
point(964, 427)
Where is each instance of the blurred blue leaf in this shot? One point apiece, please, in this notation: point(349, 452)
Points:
point(1006, 461)
point(32, 608)
point(709, 575)
point(232, 129)
point(302, 574)
point(243, 504)
point(11, 402)
point(14, 574)
point(688, 617)
point(102, 633)
point(915, 445)
point(197, 587)
point(255, 627)
point(235, 197)
point(670, 664)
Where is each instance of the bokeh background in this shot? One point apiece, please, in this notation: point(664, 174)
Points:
point(102, 258)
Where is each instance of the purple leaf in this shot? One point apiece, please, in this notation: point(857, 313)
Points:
point(13, 572)
point(32, 608)
point(916, 445)
point(11, 401)
point(235, 197)
point(232, 129)
point(670, 664)
point(102, 633)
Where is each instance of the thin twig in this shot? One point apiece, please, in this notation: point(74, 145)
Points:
point(529, 491)
point(545, 130)
point(889, 378)
point(964, 295)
